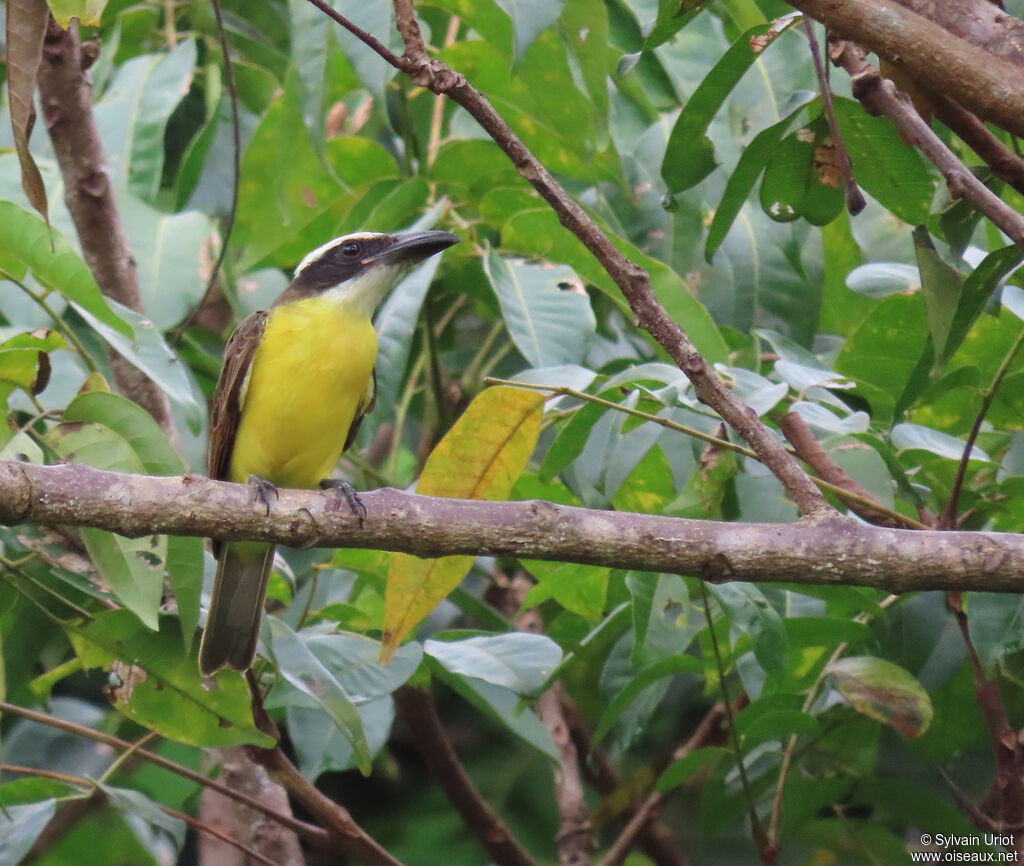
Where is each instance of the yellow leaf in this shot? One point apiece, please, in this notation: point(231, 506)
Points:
point(479, 458)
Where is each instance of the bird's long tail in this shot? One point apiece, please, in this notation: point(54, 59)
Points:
point(236, 608)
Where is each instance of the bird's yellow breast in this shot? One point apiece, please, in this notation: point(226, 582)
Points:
point(309, 377)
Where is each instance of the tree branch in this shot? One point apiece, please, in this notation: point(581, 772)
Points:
point(65, 92)
point(839, 551)
point(980, 81)
point(575, 837)
point(879, 95)
point(418, 711)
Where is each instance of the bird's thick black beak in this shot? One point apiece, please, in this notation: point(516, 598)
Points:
point(413, 247)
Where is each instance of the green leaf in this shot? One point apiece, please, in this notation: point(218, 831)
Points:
point(518, 661)
point(941, 287)
point(184, 562)
point(20, 826)
point(682, 769)
point(353, 660)
point(321, 747)
point(133, 568)
point(140, 806)
point(883, 691)
point(395, 325)
point(32, 790)
point(529, 18)
point(918, 437)
point(158, 687)
point(289, 199)
point(801, 180)
point(304, 671)
point(881, 354)
point(668, 667)
point(977, 288)
point(775, 717)
point(571, 440)
point(88, 12)
point(377, 18)
point(133, 424)
point(750, 611)
point(311, 41)
point(169, 251)
point(26, 240)
point(742, 178)
point(881, 279)
point(996, 626)
point(690, 155)
point(132, 116)
point(151, 355)
point(885, 166)
point(502, 705)
point(661, 617)
point(579, 588)
point(546, 309)
point(673, 16)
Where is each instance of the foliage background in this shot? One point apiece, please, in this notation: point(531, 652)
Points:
point(884, 338)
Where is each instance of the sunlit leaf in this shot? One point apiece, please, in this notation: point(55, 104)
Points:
point(479, 458)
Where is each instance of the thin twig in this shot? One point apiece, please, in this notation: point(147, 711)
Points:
point(236, 175)
point(765, 845)
point(849, 493)
point(706, 732)
point(949, 515)
point(855, 201)
point(812, 694)
point(1008, 788)
point(194, 823)
point(308, 831)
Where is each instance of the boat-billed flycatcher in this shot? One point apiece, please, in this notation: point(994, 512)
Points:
point(296, 383)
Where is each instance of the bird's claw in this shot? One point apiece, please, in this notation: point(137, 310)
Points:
point(262, 490)
point(344, 490)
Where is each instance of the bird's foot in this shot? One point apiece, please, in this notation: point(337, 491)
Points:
point(344, 490)
point(262, 490)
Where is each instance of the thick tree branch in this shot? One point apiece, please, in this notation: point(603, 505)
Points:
point(989, 86)
point(839, 551)
point(65, 91)
point(879, 95)
point(632, 280)
point(575, 837)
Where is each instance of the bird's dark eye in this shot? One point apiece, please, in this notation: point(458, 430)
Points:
point(350, 249)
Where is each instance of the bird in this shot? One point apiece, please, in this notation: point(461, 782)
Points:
point(296, 382)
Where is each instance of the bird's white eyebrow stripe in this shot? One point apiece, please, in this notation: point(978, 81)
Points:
point(320, 250)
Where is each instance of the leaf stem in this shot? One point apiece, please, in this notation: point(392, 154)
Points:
point(668, 423)
point(948, 518)
point(761, 839)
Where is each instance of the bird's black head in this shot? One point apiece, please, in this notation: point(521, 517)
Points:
point(364, 266)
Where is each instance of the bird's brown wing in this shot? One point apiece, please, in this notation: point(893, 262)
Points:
point(365, 407)
point(230, 393)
